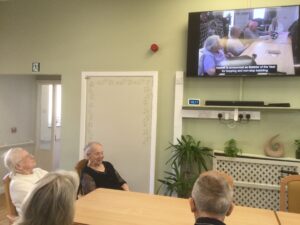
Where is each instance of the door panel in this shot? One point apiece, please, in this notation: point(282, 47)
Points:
point(120, 113)
point(48, 125)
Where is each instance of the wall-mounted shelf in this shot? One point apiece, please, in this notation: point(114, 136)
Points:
point(228, 115)
point(230, 112)
point(188, 107)
point(246, 156)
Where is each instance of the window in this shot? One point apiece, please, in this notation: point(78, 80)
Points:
point(57, 104)
point(259, 13)
point(230, 16)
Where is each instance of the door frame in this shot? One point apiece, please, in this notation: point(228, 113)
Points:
point(38, 118)
point(154, 75)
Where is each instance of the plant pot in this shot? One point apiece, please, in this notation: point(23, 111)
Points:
point(298, 153)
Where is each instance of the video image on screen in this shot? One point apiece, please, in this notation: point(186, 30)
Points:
point(244, 42)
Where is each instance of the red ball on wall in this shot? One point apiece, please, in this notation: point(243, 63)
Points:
point(154, 47)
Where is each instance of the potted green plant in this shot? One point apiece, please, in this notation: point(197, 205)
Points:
point(187, 161)
point(297, 143)
point(231, 148)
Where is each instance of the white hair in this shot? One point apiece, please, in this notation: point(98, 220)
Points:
point(212, 193)
point(233, 31)
point(211, 42)
point(89, 147)
point(51, 201)
point(12, 157)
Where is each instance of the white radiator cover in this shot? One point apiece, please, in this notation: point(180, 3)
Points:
point(256, 178)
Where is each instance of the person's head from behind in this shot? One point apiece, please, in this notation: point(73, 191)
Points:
point(19, 160)
point(235, 32)
point(212, 195)
point(213, 43)
point(252, 25)
point(94, 153)
point(51, 202)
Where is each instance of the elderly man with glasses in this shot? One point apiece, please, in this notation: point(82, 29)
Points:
point(23, 174)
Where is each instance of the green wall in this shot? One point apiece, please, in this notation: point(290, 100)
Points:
point(251, 136)
point(71, 36)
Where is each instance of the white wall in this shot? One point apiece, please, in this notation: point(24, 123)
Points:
point(17, 109)
point(287, 15)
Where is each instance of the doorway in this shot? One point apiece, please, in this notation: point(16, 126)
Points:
point(125, 128)
point(48, 138)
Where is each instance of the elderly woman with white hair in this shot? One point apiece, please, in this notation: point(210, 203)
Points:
point(99, 173)
point(23, 174)
point(211, 56)
point(51, 201)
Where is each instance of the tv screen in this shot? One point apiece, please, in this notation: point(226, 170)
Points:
point(244, 42)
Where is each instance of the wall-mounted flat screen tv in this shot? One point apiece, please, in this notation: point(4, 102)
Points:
point(244, 42)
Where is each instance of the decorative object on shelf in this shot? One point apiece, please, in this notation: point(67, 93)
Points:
point(187, 161)
point(274, 148)
point(231, 148)
point(297, 143)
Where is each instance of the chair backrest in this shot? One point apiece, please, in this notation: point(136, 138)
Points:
point(290, 188)
point(79, 166)
point(11, 209)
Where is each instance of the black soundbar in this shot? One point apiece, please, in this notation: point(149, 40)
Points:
point(278, 105)
point(235, 103)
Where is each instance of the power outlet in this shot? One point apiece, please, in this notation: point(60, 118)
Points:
point(216, 114)
point(254, 115)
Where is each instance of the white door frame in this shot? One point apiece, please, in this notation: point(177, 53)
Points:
point(38, 123)
point(154, 75)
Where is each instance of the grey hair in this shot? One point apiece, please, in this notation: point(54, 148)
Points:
point(51, 202)
point(89, 147)
point(211, 41)
point(212, 193)
point(233, 30)
point(11, 158)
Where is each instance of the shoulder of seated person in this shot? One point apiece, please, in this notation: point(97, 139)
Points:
point(106, 163)
point(39, 170)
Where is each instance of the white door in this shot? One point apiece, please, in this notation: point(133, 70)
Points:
point(48, 124)
point(119, 111)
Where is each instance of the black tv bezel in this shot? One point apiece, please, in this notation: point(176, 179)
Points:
point(192, 62)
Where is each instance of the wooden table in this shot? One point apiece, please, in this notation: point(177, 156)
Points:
point(251, 216)
point(112, 207)
point(270, 52)
point(286, 218)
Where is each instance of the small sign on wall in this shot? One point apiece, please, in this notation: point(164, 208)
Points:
point(35, 67)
